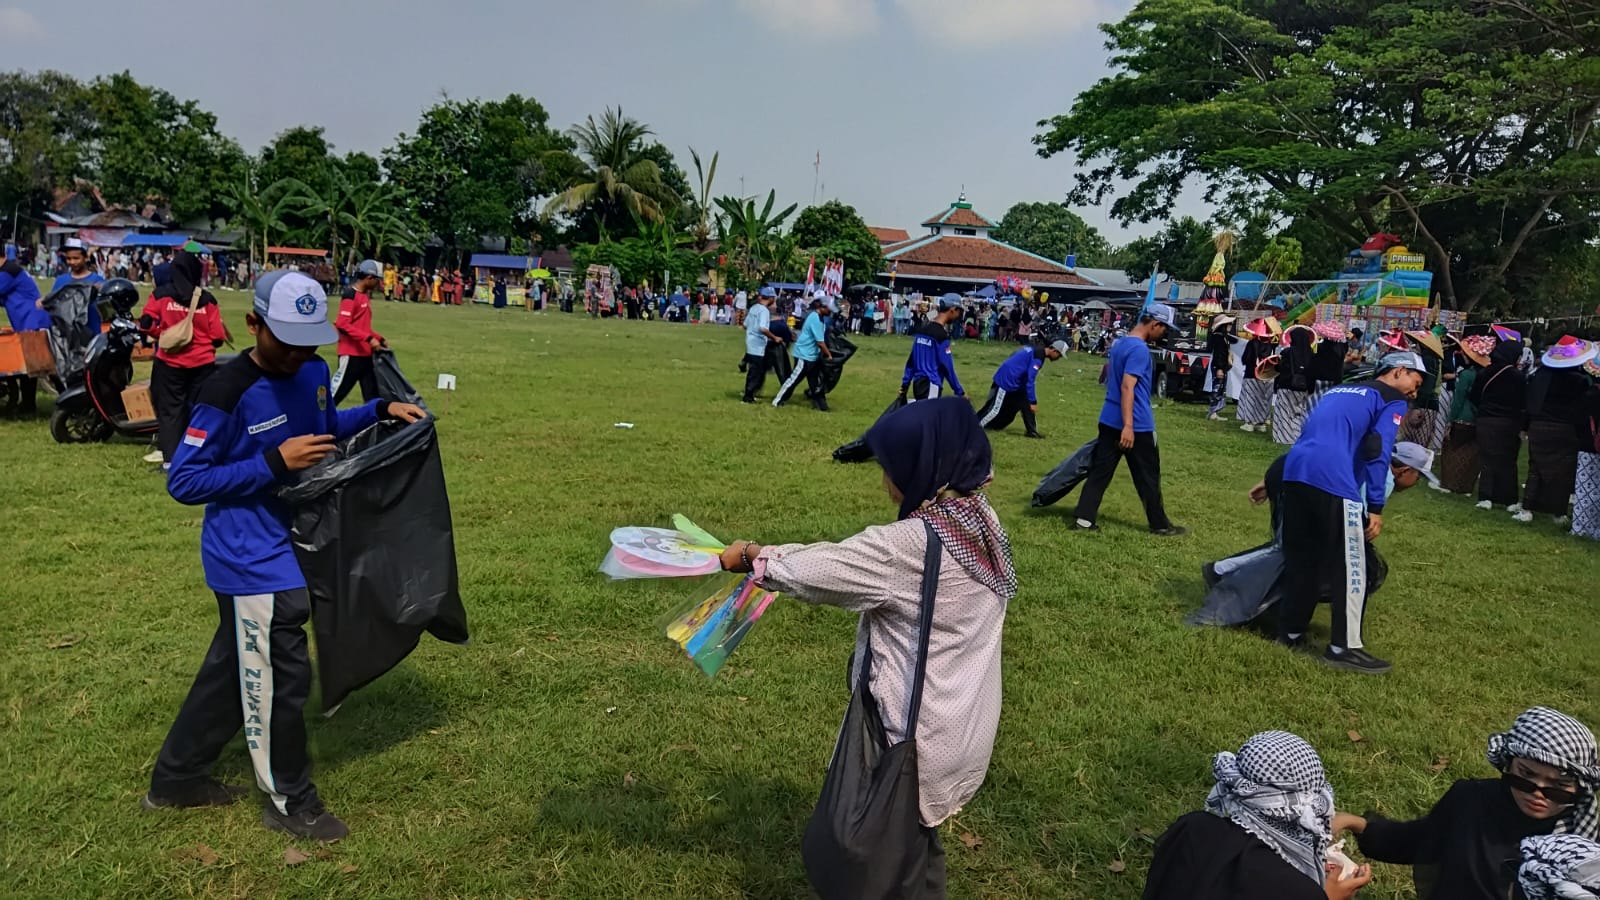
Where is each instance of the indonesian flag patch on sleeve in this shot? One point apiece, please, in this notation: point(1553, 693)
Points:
point(194, 437)
point(1397, 418)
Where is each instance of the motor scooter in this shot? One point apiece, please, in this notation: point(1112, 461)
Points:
point(89, 406)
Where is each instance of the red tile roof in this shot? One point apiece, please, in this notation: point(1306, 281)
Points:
point(889, 235)
point(975, 258)
point(960, 216)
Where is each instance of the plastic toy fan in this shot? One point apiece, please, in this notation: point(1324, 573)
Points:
point(708, 630)
point(681, 551)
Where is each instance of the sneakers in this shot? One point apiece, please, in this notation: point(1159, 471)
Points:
point(206, 792)
point(1514, 508)
point(1562, 521)
point(1356, 660)
point(1208, 574)
point(1170, 531)
point(1034, 434)
point(1247, 427)
point(1084, 525)
point(1484, 504)
point(154, 456)
point(1213, 418)
point(1439, 487)
point(1522, 515)
point(1296, 645)
point(312, 823)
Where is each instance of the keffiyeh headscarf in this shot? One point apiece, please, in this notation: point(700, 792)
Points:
point(933, 446)
point(1556, 739)
point(1560, 867)
point(1275, 788)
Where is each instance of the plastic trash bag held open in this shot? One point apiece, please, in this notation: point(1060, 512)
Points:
point(372, 532)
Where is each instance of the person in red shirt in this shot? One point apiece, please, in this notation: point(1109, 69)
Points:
point(177, 374)
point(357, 340)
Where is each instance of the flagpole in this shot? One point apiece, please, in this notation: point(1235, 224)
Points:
point(1150, 295)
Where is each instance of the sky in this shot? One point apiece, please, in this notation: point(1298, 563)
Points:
point(908, 102)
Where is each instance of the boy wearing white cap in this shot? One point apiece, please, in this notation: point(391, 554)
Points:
point(258, 419)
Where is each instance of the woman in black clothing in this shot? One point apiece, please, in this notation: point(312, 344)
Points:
point(1557, 425)
point(1297, 379)
point(1264, 834)
point(1499, 395)
point(1468, 846)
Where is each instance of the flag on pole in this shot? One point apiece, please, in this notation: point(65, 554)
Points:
point(1150, 296)
point(811, 276)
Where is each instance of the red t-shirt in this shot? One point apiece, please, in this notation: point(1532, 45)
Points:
point(355, 326)
point(161, 313)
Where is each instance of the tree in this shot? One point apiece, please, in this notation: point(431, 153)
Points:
point(45, 128)
point(355, 206)
point(1183, 249)
point(1053, 231)
point(613, 179)
point(1280, 258)
point(835, 231)
point(746, 233)
point(300, 155)
point(478, 168)
point(259, 208)
point(700, 207)
point(1467, 128)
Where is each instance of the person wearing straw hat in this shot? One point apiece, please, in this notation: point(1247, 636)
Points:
point(1458, 469)
point(1422, 420)
point(258, 419)
point(1557, 424)
point(1333, 340)
point(1586, 491)
point(1255, 395)
point(1335, 480)
point(1219, 343)
point(1294, 384)
point(1499, 394)
point(1465, 848)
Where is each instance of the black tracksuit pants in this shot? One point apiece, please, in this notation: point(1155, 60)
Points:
point(353, 369)
point(811, 371)
point(755, 375)
point(256, 675)
point(1003, 406)
point(1325, 558)
point(172, 393)
point(1144, 464)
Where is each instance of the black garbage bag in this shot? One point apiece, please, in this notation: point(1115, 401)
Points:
point(857, 451)
point(1063, 478)
point(833, 366)
point(1252, 583)
point(373, 536)
point(392, 384)
point(69, 327)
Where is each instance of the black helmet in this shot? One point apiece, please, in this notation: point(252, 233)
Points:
point(121, 294)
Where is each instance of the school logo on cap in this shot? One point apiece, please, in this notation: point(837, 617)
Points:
point(305, 305)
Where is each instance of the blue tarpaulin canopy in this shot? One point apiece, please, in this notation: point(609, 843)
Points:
point(987, 292)
point(500, 261)
point(154, 240)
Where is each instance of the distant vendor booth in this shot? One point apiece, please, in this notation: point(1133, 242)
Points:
point(316, 263)
point(511, 277)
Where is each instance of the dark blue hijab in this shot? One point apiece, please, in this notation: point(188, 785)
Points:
point(930, 446)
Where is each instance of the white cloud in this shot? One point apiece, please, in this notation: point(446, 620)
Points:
point(819, 19)
point(991, 22)
point(18, 24)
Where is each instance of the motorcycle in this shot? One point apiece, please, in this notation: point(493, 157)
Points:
point(89, 406)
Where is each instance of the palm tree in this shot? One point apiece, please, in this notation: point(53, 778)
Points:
point(701, 229)
point(260, 209)
point(614, 180)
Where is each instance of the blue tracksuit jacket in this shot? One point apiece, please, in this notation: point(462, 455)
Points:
point(1345, 445)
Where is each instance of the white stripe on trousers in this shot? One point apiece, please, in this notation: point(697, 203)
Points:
point(994, 410)
point(338, 375)
point(933, 393)
point(795, 375)
point(1355, 572)
point(252, 629)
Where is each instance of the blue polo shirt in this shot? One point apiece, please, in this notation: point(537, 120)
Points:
point(1129, 356)
point(812, 334)
point(1020, 371)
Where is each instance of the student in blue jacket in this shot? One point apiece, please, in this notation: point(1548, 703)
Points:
point(256, 421)
point(931, 364)
point(1013, 388)
point(1338, 465)
point(20, 296)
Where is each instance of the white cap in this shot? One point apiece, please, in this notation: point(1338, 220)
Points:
point(819, 295)
point(72, 243)
point(1416, 456)
point(294, 308)
point(1401, 359)
point(369, 267)
point(1160, 312)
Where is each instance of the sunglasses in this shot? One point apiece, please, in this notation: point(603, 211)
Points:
point(1562, 796)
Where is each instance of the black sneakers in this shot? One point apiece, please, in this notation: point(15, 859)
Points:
point(1079, 526)
point(1356, 660)
point(1034, 434)
point(1297, 645)
point(1170, 531)
point(313, 823)
point(206, 792)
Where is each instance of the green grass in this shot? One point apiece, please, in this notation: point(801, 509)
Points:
point(570, 752)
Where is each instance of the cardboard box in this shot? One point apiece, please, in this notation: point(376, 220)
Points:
point(136, 400)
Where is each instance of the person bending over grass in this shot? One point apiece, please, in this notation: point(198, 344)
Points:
point(936, 459)
point(1466, 847)
point(1263, 835)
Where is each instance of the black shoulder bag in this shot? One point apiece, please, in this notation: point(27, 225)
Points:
point(865, 839)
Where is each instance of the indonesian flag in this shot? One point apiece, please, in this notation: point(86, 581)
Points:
point(811, 276)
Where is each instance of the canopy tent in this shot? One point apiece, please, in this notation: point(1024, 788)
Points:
point(500, 261)
point(871, 287)
point(987, 292)
point(154, 240)
point(1096, 304)
point(295, 251)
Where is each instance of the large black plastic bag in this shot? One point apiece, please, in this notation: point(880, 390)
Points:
point(857, 451)
point(69, 327)
point(833, 366)
point(1063, 478)
point(373, 535)
point(1256, 585)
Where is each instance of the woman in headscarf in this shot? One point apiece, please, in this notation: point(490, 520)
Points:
point(1291, 392)
point(1264, 833)
point(1458, 467)
point(1586, 506)
point(936, 459)
point(1255, 395)
point(1219, 344)
point(1557, 425)
point(1499, 395)
point(1333, 344)
point(177, 373)
point(1466, 847)
point(1559, 867)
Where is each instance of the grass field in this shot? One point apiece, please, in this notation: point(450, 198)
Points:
point(570, 752)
